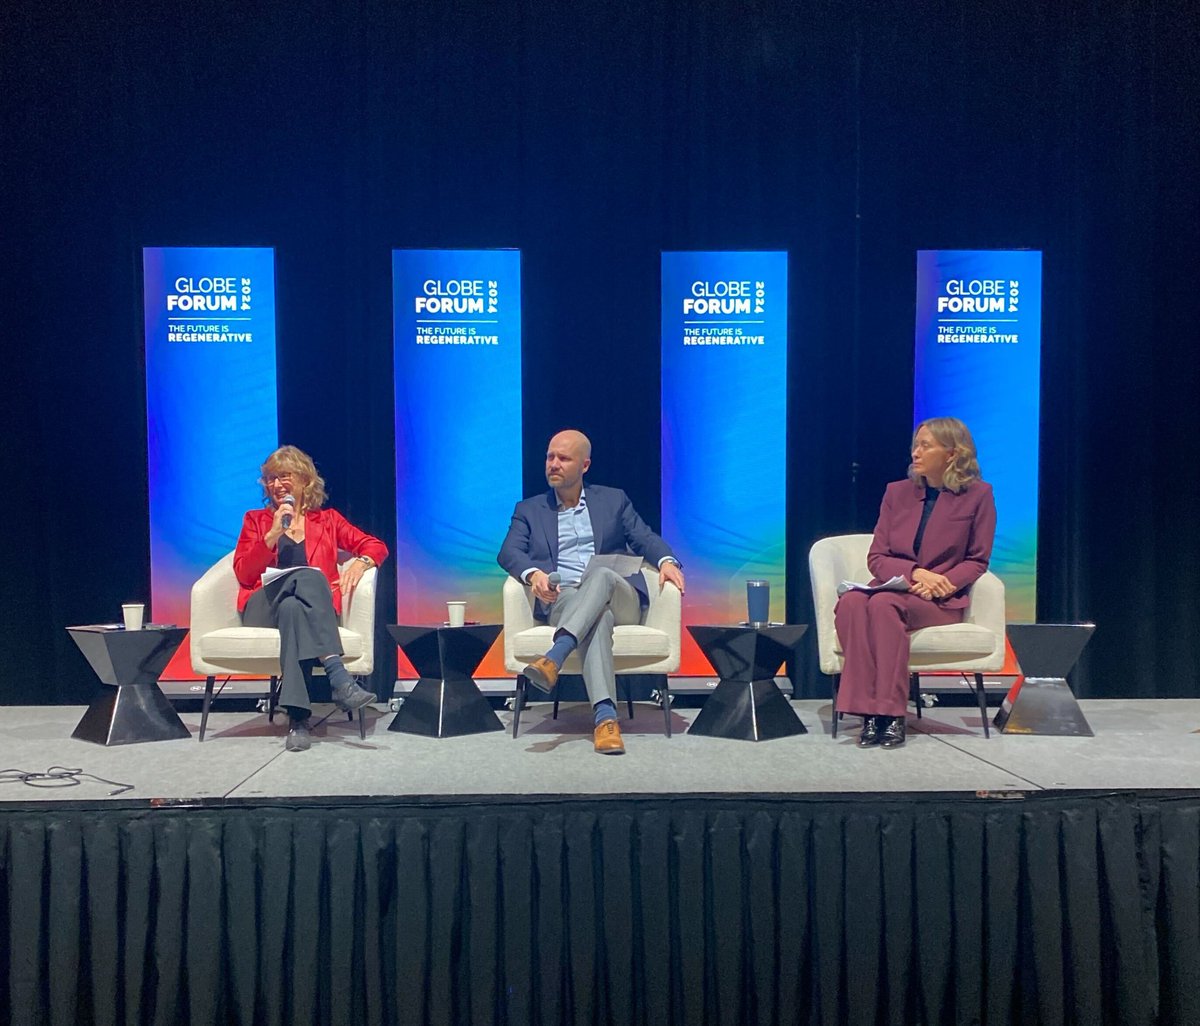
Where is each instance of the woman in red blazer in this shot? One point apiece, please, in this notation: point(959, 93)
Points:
point(935, 530)
point(293, 530)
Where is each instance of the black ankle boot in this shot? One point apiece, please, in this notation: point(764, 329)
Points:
point(870, 731)
point(350, 696)
point(893, 736)
point(298, 739)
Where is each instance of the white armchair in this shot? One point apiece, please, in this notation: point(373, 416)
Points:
point(974, 646)
point(220, 644)
point(649, 647)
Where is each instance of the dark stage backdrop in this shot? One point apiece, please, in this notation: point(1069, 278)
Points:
point(592, 135)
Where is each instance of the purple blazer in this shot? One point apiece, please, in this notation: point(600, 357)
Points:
point(957, 542)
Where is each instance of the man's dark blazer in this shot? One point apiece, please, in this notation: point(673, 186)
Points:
point(532, 539)
point(957, 542)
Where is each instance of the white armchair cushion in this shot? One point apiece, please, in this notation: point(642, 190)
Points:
point(230, 643)
point(633, 646)
point(954, 641)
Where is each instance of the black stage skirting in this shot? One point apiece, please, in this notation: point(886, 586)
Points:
point(806, 909)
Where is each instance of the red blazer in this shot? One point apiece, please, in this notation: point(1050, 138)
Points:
point(957, 542)
point(325, 532)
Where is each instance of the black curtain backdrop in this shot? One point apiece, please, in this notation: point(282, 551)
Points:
point(592, 135)
point(1073, 909)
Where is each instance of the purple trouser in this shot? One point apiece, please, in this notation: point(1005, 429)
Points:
point(873, 629)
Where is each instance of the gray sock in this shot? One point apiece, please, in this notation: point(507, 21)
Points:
point(336, 672)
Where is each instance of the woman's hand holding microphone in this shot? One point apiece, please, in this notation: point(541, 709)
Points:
point(281, 522)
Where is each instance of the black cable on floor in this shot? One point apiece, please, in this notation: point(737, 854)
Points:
point(58, 776)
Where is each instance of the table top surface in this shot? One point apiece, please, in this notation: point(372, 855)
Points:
point(119, 628)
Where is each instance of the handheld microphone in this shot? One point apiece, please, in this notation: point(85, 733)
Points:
point(554, 579)
point(287, 500)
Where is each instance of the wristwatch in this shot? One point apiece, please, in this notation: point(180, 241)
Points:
point(368, 560)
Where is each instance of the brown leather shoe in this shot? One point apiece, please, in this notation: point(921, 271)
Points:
point(607, 739)
point(542, 674)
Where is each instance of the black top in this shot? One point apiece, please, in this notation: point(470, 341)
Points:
point(931, 495)
point(293, 553)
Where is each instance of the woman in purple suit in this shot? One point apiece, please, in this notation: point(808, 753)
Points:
point(935, 531)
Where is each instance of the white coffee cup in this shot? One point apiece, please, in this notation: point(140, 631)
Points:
point(456, 613)
point(133, 611)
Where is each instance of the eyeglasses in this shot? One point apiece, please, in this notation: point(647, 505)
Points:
point(284, 478)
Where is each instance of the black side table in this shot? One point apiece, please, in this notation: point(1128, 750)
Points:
point(746, 705)
point(134, 709)
point(1041, 701)
point(446, 701)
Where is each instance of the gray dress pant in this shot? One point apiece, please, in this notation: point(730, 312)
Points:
point(589, 613)
point(301, 607)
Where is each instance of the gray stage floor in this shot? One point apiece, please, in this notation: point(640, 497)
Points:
point(1138, 745)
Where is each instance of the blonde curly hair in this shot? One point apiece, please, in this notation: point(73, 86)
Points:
point(287, 459)
point(950, 433)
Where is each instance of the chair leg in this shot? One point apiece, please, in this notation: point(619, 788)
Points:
point(273, 700)
point(628, 696)
point(350, 712)
point(665, 691)
point(362, 722)
point(518, 703)
point(833, 690)
point(982, 696)
point(208, 692)
point(914, 691)
point(555, 716)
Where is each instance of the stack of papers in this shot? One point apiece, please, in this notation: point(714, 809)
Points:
point(895, 584)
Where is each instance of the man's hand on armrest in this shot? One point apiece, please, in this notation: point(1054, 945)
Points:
point(671, 571)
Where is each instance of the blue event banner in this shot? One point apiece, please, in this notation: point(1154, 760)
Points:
point(457, 341)
point(978, 358)
point(724, 430)
point(211, 411)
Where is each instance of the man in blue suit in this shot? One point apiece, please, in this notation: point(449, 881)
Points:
point(558, 532)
